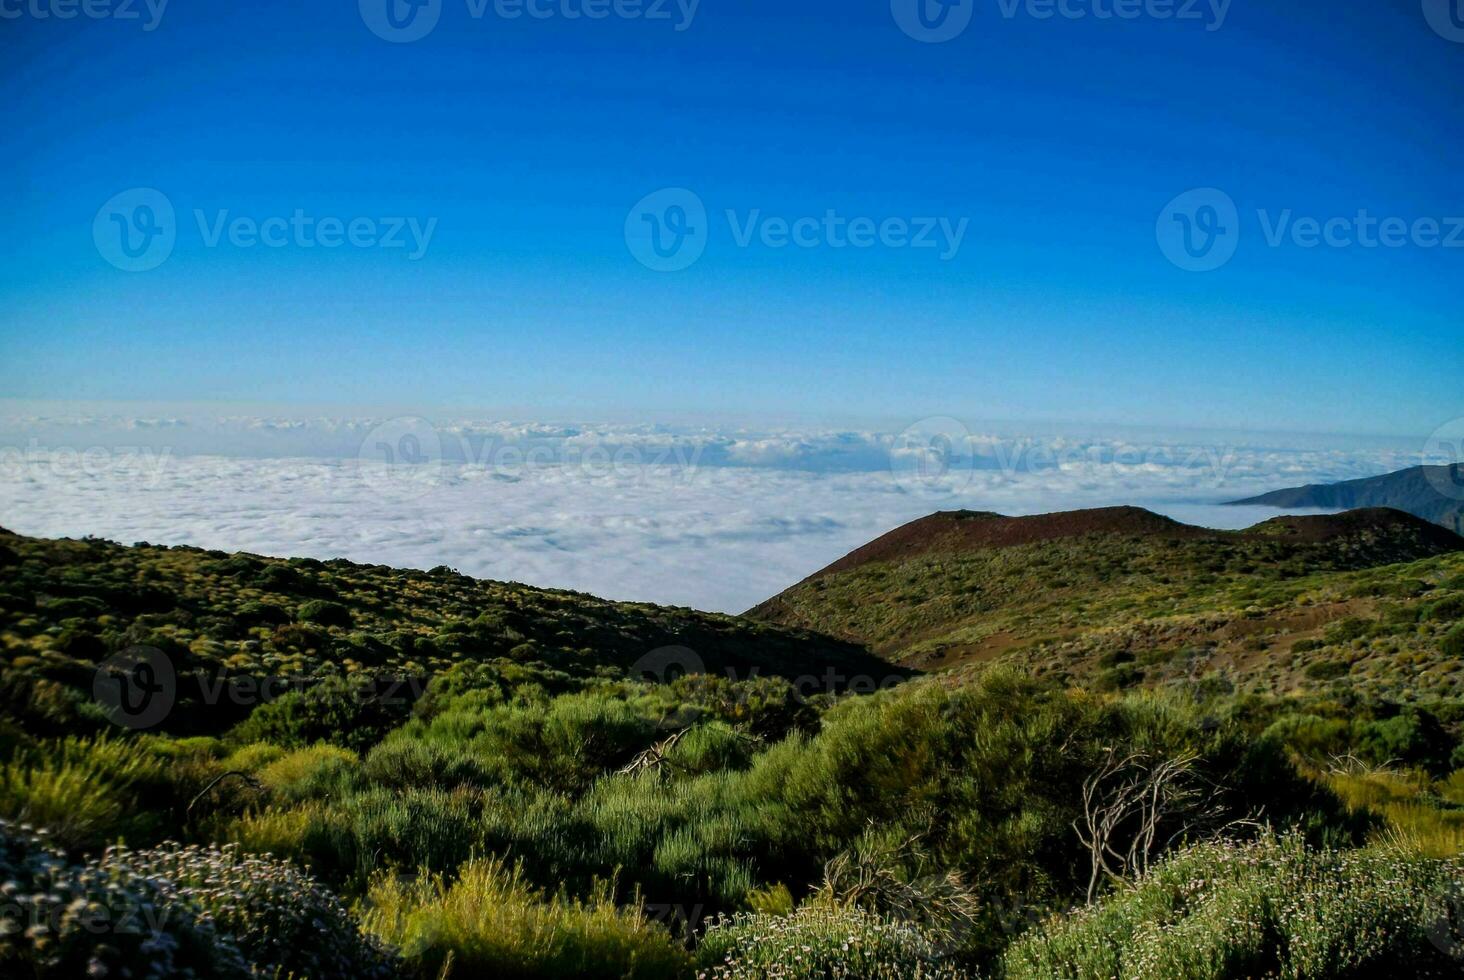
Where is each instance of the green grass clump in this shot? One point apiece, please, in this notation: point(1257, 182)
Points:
point(491, 922)
point(85, 792)
point(1270, 908)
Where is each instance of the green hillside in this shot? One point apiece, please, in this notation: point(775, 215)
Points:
point(66, 605)
point(1121, 597)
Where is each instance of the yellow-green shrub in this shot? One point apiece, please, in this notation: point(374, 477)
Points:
point(81, 790)
point(491, 922)
point(309, 772)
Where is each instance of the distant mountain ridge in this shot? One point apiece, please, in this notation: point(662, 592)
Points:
point(1434, 493)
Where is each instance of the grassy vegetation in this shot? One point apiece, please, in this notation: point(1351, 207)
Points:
point(489, 921)
point(552, 812)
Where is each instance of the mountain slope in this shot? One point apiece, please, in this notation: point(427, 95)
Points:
point(66, 605)
point(1082, 593)
point(1434, 493)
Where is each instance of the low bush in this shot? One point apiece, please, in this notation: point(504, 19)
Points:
point(1447, 610)
point(403, 762)
point(317, 772)
point(711, 747)
point(253, 757)
point(60, 920)
point(1347, 630)
point(323, 612)
point(1270, 908)
point(419, 828)
point(1327, 670)
point(817, 942)
point(1412, 737)
point(278, 831)
point(490, 922)
point(282, 920)
point(341, 711)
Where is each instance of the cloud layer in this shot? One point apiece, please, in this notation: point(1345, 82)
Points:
point(712, 519)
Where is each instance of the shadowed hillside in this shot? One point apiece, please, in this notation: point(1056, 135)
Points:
point(66, 605)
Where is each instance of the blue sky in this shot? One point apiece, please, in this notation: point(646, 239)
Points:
point(1060, 141)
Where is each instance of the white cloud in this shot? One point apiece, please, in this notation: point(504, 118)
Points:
point(689, 516)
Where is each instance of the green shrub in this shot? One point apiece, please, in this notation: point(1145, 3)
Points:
point(1272, 908)
point(418, 828)
point(1453, 645)
point(817, 942)
point(1314, 737)
point(253, 757)
point(1117, 678)
point(404, 762)
point(262, 614)
point(1347, 630)
point(319, 771)
point(587, 734)
point(281, 832)
point(490, 922)
point(1327, 670)
point(712, 747)
point(1413, 737)
point(344, 712)
point(1447, 610)
point(323, 612)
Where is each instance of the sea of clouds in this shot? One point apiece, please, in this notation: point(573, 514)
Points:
point(713, 517)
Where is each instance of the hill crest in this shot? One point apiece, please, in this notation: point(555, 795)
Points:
point(966, 530)
point(963, 531)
